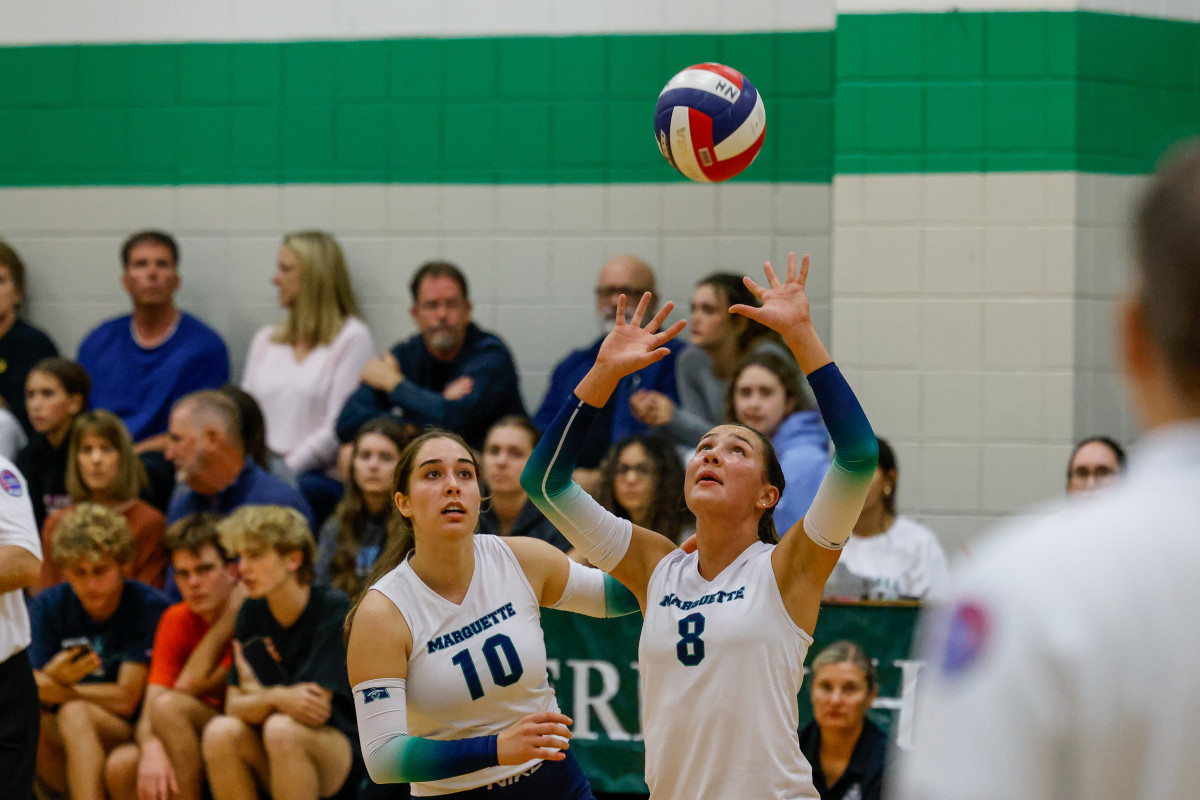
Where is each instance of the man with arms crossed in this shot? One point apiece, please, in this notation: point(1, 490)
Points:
point(1064, 665)
point(191, 658)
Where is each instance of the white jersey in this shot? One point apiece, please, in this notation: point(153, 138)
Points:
point(906, 560)
point(478, 667)
point(1065, 665)
point(721, 664)
point(16, 528)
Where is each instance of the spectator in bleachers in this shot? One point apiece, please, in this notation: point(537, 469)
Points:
point(188, 667)
point(21, 344)
point(206, 448)
point(901, 558)
point(507, 510)
point(766, 393)
point(289, 724)
point(303, 369)
point(641, 480)
point(1096, 462)
point(102, 468)
point(847, 751)
point(254, 434)
point(632, 277)
point(56, 391)
point(719, 342)
point(352, 539)
point(452, 374)
point(92, 638)
point(141, 363)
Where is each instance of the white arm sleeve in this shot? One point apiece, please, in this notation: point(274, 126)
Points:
point(584, 592)
point(381, 707)
point(600, 535)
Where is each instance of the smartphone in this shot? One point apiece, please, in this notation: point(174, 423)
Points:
point(79, 647)
point(266, 667)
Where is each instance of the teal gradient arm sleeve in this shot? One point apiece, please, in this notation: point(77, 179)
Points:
point(392, 756)
point(601, 536)
point(839, 501)
point(595, 594)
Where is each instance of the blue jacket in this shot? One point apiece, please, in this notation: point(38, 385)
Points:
point(659, 376)
point(253, 486)
point(802, 446)
point(418, 399)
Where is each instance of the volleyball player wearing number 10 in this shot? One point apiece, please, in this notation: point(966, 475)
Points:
point(726, 628)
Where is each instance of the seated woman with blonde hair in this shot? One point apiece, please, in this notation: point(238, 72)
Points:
point(102, 468)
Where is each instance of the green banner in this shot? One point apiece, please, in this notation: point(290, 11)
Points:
point(593, 665)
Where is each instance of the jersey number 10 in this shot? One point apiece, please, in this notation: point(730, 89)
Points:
point(503, 674)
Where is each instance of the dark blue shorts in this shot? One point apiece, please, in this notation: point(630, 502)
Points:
point(549, 780)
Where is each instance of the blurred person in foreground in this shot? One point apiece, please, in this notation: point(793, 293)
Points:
point(1030, 691)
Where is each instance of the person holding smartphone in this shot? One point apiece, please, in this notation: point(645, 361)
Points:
point(92, 638)
point(289, 725)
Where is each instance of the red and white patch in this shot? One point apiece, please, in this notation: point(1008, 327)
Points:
point(11, 484)
point(966, 637)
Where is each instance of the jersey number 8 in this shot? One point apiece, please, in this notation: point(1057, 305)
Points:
point(690, 648)
point(502, 674)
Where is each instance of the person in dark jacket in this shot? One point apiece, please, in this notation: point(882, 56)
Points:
point(452, 374)
point(508, 511)
point(846, 750)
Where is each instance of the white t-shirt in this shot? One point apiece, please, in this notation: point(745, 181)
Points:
point(721, 665)
point(16, 528)
point(1065, 666)
point(477, 667)
point(906, 560)
point(301, 400)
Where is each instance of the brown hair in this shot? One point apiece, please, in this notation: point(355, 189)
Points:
point(283, 529)
point(438, 269)
point(782, 367)
point(90, 530)
point(351, 515)
point(16, 267)
point(131, 474)
point(669, 515)
point(732, 288)
point(73, 377)
point(1167, 233)
point(193, 533)
point(401, 543)
point(152, 237)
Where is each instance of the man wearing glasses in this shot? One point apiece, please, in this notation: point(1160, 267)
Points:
point(451, 374)
point(631, 276)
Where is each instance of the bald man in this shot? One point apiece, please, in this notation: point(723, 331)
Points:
point(631, 276)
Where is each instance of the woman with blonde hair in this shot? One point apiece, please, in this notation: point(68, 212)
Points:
point(103, 469)
point(302, 369)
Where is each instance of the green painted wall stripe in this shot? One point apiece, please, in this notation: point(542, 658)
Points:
point(999, 91)
point(506, 110)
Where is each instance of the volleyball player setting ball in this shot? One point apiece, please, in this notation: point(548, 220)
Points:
point(726, 628)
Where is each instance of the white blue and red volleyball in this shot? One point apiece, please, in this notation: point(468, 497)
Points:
point(710, 122)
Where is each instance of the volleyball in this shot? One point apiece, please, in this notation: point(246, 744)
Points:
point(710, 122)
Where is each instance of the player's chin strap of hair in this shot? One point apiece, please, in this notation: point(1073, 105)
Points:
point(601, 536)
point(392, 756)
point(839, 501)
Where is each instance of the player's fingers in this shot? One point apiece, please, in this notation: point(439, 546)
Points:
point(620, 310)
point(803, 269)
point(670, 333)
point(791, 268)
point(754, 288)
point(745, 311)
point(640, 311)
point(550, 743)
point(548, 716)
point(656, 322)
point(769, 271)
point(551, 729)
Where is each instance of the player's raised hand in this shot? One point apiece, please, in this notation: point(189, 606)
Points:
point(542, 735)
point(784, 303)
point(630, 345)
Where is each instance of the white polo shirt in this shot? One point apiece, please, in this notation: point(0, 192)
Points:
point(1066, 663)
point(16, 528)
